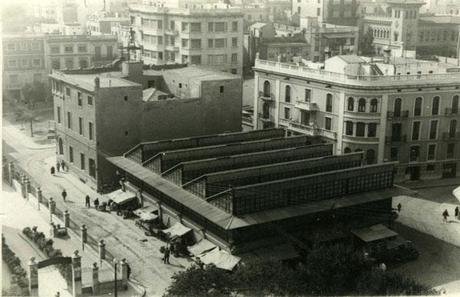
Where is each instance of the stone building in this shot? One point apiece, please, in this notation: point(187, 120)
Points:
point(258, 190)
point(101, 113)
point(393, 109)
point(198, 34)
point(328, 11)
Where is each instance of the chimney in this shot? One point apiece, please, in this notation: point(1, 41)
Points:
point(386, 55)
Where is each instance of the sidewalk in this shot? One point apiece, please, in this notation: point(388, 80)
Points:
point(422, 184)
point(20, 213)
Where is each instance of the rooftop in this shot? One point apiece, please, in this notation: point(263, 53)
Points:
point(440, 19)
point(201, 73)
point(87, 81)
point(198, 10)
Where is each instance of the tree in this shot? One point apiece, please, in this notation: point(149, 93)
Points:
point(35, 92)
point(366, 43)
point(26, 115)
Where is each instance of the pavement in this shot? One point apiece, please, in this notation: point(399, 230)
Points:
point(19, 213)
point(123, 239)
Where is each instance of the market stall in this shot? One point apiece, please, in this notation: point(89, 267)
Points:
point(221, 259)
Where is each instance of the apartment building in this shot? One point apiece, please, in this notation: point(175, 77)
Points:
point(337, 12)
point(395, 109)
point(206, 35)
point(438, 35)
point(97, 25)
point(105, 112)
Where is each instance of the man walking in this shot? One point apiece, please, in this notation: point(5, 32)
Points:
point(64, 194)
point(87, 201)
point(399, 207)
point(457, 212)
point(445, 214)
point(96, 203)
point(166, 256)
point(52, 170)
point(63, 165)
point(58, 166)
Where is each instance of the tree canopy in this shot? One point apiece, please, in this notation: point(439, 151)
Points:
point(366, 43)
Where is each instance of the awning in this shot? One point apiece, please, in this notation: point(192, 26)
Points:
point(221, 259)
point(177, 230)
point(121, 197)
point(146, 214)
point(201, 247)
point(278, 252)
point(456, 193)
point(373, 233)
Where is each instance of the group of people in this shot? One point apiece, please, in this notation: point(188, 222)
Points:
point(59, 165)
point(88, 202)
point(445, 214)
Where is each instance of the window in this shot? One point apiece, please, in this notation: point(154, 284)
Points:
point(160, 24)
point(235, 26)
point(370, 156)
point(349, 128)
point(416, 131)
point(210, 27)
point(160, 40)
point(219, 27)
point(394, 154)
point(12, 63)
point(450, 150)
point(79, 99)
point(172, 25)
point(80, 126)
point(455, 104)
point(234, 42)
point(287, 113)
point(362, 105)
point(360, 128)
point(35, 45)
point(58, 114)
point(97, 52)
point(307, 95)
point(435, 106)
point(210, 43)
point(287, 94)
point(195, 27)
point(347, 150)
point(92, 167)
point(267, 89)
point(373, 106)
point(184, 42)
point(82, 48)
point(371, 130)
point(234, 58)
point(328, 124)
point(83, 63)
point(90, 131)
point(69, 63)
point(69, 120)
point(217, 59)
point(70, 154)
point(109, 51)
point(418, 106)
point(219, 43)
point(431, 152)
point(68, 49)
point(329, 102)
point(414, 153)
point(433, 129)
point(452, 128)
point(67, 91)
point(221, 89)
point(196, 59)
point(397, 107)
point(351, 104)
point(11, 47)
point(55, 64)
point(184, 26)
point(82, 161)
point(196, 43)
point(90, 100)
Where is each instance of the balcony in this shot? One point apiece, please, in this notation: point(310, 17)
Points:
point(403, 115)
point(305, 129)
point(172, 32)
point(266, 117)
point(449, 111)
point(448, 136)
point(172, 48)
point(395, 138)
point(308, 106)
point(264, 97)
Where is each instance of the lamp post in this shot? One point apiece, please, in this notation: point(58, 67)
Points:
point(115, 262)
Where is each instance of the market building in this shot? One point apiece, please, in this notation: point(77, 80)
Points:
point(393, 109)
point(259, 189)
point(104, 112)
point(198, 34)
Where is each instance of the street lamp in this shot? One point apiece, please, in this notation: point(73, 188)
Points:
point(115, 262)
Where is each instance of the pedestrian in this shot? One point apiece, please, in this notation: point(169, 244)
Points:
point(457, 213)
point(383, 267)
point(64, 194)
point(96, 203)
point(399, 207)
point(166, 256)
point(445, 214)
point(63, 165)
point(87, 201)
point(128, 270)
point(58, 166)
point(52, 170)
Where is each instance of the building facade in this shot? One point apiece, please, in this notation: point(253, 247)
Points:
point(328, 11)
point(198, 35)
point(100, 114)
point(393, 110)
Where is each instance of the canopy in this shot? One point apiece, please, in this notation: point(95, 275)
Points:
point(147, 213)
point(201, 247)
point(456, 193)
point(374, 233)
point(177, 229)
point(221, 259)
point(121, 197)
